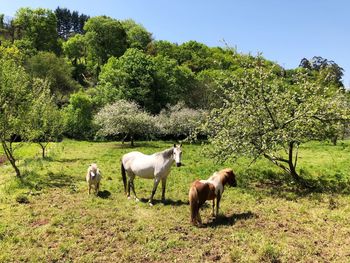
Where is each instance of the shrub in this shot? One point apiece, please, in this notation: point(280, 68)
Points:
point(124, 118)
point(178, 121)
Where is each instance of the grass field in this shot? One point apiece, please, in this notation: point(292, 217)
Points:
point(49, 217)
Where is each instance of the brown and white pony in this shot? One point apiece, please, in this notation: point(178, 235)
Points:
point(210, 189)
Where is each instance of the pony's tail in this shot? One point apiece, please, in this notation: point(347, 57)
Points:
point(123, 175)
point(193, 198)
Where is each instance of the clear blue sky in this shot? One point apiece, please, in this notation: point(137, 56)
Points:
point(285, 31)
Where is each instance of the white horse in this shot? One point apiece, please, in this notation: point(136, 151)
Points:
point(93, 177)
point(156, 166)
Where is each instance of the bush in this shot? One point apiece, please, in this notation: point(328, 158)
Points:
point(124, 118)
point(178, 121)
point(78, 117)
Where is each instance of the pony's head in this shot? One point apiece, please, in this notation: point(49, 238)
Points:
point(229, 177)
point(177, 154)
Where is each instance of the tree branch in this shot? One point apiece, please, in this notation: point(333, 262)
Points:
point(277, 163)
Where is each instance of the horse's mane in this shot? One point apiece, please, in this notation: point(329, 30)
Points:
point(166, 153)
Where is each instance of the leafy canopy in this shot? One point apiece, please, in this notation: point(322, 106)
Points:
point(262, 115)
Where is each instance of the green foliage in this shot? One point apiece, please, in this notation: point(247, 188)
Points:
point(46, 121)
point(261, 115)
point(105, 37)
point(172, 83)
point(15, 100)
point(78, 116)
point(39, 27)
point(75, 48)
point(56, 70)
point(131, 77)
point(324, 72)
point(69, 23)
point(137, 36)
point(124, 118)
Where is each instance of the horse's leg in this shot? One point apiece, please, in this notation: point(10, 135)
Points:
point(89, 188)
point(133, 188)
point(155, 185)
point(163, 189)
point(131, 177)
point(217, 204)
point(213, 210)
point(97, 188)
point(199, 219)
point(128, 190)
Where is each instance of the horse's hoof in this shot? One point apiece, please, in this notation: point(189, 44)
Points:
point(129, 197)
point(150, 204)
point(137, 200)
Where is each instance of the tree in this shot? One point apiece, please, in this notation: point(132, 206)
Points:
point(15, 100)
point(137, 36)
point(131, 77)
point(195, 55)
point(328, 72)
point(179, 121)
point(39, 27)
point(46, 121)
point(106, 38)
point(172, 83)
point(69, 23)
point(124, 118)
point(75, 48)
point(262, 115)
point(78, 116)
point(56, 70)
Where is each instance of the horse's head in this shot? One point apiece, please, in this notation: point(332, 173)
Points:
point(230, 177)
point(177, 154)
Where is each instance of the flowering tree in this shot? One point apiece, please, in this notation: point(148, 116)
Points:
point(179, 121)
point(262, 116)
point(124, 118)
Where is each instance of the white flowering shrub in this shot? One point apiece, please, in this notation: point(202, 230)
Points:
point(178, 121)
point(124, 118)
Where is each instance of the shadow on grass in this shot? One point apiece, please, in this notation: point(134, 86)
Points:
point(223, 220)
point(105, 194)
point(127, 145)
point(166, 202)
point(33, 180)
point(283, 186)
point(70, 160)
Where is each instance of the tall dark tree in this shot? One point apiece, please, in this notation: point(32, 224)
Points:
point(64, 22)
point(328, 72)
point(69, 23)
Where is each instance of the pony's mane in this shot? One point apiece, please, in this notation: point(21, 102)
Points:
point(167, 153)
point(224, 174)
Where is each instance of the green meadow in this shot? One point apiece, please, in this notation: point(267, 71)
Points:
point(49, 216)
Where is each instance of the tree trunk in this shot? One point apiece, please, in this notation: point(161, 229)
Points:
point(10, 157)
point(292, 166)
point(334, 140)
point(132, 140)
point(124, 138)
point(43, 148)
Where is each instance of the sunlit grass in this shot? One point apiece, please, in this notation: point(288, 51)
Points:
point(267, 218)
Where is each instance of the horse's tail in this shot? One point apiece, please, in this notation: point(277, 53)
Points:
point(194, 203)
point(123, 175)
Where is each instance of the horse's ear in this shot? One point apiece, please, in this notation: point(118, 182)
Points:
point(180, 144)
point(174, 145)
